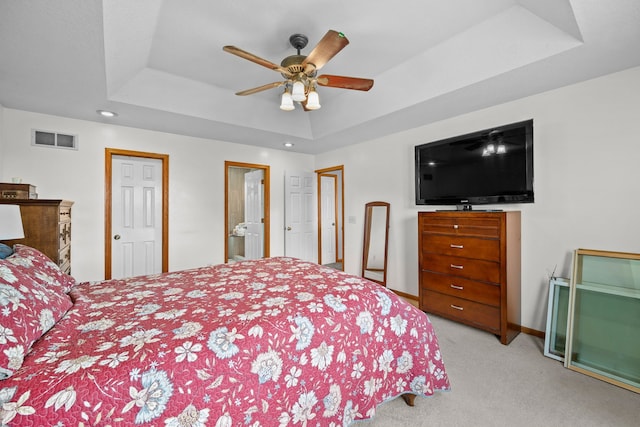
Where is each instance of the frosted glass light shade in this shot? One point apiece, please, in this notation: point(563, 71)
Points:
point(313, 101)
point(286, 103)
point(10, 222)
point(298, 91)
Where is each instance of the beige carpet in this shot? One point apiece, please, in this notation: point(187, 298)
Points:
point(514, 385)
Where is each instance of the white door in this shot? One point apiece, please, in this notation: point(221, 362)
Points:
point(328, 218)
point(253, 208)
point(136, 215)
point(300, 216)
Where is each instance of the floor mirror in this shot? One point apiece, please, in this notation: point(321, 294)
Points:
point(376, 242)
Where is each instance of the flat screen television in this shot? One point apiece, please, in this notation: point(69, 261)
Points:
point(491, 166)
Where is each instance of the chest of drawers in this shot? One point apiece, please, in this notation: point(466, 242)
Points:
point(470, 269)
point(47, 228)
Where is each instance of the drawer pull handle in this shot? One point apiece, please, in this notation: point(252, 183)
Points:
point(457, 246)
point(457, 307)
point(459, 267)
point(460, 288)
point(455, 226)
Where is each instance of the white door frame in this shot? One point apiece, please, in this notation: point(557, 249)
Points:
point(108, 201)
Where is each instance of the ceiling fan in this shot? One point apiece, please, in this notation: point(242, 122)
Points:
point(300, 71)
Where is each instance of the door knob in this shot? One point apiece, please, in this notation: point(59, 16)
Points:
point(116, 237)
point(288, 228)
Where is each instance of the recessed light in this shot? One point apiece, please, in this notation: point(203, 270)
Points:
point(288, 144)
point(106, 113)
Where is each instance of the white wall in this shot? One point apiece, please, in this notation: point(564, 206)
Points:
point(196, 184)
point(587, 182)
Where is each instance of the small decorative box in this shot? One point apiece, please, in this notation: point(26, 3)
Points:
point(17, 191)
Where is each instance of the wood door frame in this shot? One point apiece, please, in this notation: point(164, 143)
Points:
point(108, 194)
point(266, 208)
point(319, 174)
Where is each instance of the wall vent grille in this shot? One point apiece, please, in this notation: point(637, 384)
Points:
point(43, 138)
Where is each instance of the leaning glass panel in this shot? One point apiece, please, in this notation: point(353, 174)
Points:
point(557, 312)
point(605, 317)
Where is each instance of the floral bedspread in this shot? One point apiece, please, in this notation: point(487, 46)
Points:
point(273, 342)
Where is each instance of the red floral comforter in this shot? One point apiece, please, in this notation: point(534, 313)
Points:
point(273, 342)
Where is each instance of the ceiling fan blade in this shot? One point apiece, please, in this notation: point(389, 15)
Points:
point(260, 88)
point(253, 58)
point(343, 82)
point(332, 43)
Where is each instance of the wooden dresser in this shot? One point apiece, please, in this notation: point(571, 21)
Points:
point(470, 269)
point(47, 227)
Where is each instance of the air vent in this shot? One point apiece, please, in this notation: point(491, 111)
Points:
point(43, 138)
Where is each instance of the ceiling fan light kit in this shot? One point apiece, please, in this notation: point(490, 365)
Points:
point(297, 93)
point(286, 103)
point(299, 71)
point(313, 100)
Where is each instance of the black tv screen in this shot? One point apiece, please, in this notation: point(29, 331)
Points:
point(491, 166)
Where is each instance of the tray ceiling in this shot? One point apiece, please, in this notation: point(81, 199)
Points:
point(160, 64)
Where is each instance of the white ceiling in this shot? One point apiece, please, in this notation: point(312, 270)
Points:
point(160, 64)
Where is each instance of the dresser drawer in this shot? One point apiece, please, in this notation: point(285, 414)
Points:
point(486, 271)
point(484, 293)
point(461, 226)
point(64, 234)
point(64, 255)
point(64, 213)
point(64, 259)
point(468, 247)
point(473, 313)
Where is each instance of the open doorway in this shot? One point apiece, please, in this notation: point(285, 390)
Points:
point(331, 216)
point(246, 216)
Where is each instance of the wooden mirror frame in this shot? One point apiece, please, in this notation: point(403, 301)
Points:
point(366, 250)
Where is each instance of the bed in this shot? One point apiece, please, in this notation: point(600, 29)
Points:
point(270, 342)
